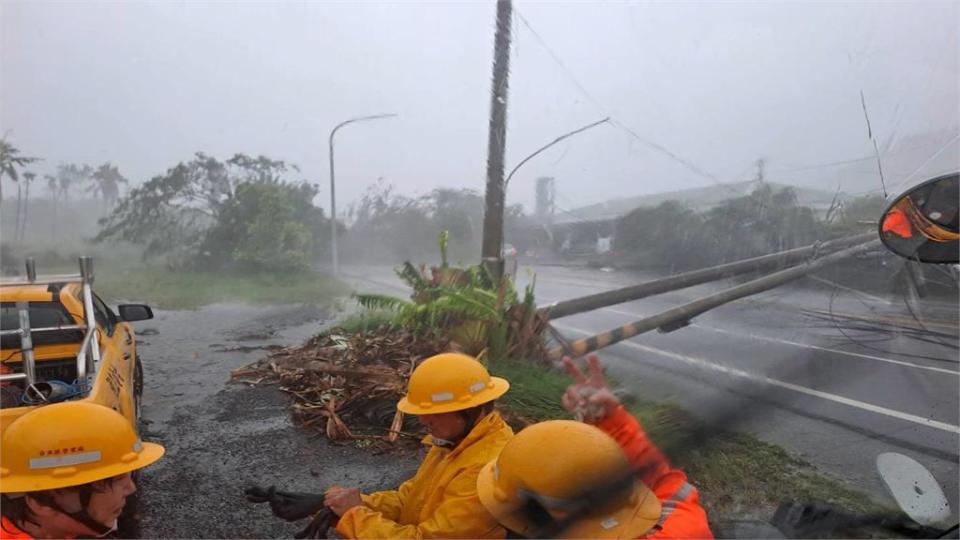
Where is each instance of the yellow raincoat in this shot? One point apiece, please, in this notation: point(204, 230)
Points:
point(440, 501)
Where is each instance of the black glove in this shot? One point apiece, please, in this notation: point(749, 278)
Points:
point(284, 504)
point(323, 520)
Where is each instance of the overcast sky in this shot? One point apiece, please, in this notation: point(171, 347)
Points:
point(145, 85)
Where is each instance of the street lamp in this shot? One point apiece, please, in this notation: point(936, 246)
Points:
point(333, 196)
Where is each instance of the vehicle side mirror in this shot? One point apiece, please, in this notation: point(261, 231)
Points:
point(913, 487)
point(921, 224)
point(135, 312)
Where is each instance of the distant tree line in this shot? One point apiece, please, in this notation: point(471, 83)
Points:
point(675, 236)
point(103, 183)
point(385, 226)
point(241, 214)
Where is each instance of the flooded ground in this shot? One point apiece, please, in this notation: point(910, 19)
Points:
point(221, 437)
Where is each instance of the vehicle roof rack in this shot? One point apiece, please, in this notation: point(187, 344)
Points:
point(85, 275)
point(88, 357)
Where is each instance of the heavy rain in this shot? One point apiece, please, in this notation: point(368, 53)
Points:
point(279, 210)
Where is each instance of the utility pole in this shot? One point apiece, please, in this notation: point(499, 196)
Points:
point(333, 191)
point(491, 253)
point(545, 198)
point(760, 166)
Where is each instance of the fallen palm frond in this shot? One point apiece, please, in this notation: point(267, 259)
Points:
point(346, 385)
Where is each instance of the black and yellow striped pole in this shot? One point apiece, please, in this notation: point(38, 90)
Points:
point(681, 315)
point(697, 277)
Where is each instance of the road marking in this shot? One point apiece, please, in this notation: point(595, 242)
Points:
point(943, 426)
point(636, 316)
point(836, 351)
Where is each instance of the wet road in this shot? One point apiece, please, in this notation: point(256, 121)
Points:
point(835, 375)
point(223, 437)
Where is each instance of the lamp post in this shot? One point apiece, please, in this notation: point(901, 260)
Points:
point(333, 195)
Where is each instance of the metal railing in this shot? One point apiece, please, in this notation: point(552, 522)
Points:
point(88, 356)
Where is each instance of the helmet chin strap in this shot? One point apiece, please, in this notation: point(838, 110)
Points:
point(83, 517)
point(470, 419)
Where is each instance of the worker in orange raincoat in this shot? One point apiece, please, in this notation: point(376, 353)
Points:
point(453, 396)
point(601, 479)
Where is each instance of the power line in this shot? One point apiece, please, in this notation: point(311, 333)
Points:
point(614, 121)
point(825, 165)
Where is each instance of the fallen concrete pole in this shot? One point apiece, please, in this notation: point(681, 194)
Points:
point(565, 308)
point(678, 317)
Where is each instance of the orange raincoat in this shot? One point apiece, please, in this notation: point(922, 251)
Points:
point(681, 515)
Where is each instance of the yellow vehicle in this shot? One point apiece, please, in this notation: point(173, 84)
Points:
point(59, 341)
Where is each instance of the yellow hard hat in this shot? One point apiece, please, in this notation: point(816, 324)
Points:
point(568, 467)
point(450, 382)
point(70, 444)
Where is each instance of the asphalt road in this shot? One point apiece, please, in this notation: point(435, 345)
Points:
point(835, 375)
point(221, 437)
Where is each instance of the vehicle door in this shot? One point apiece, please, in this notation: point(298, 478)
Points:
point(117, 354)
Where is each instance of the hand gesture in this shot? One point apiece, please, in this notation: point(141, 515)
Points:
point(588, 398)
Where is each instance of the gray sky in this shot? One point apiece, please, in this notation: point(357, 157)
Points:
point(145, 84)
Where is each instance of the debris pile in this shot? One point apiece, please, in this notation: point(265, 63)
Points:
point(346, 385)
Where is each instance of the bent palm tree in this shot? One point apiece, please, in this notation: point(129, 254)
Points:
point(107, 180)
point(10, 161)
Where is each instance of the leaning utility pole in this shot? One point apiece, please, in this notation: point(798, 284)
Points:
point(491, 255)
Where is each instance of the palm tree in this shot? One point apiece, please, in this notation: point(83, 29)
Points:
point(10, 161)
point(107, 180)
point(54, 191)
point(71, 175)
point(21, 231)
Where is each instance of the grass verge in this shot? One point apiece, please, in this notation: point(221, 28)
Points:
point(188, 290)
point(738, 475)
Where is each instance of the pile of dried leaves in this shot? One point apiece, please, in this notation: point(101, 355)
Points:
point(346, 385)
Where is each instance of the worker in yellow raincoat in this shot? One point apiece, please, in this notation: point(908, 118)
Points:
point(453, 396)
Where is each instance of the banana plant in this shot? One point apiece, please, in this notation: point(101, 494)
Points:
point(467, 306)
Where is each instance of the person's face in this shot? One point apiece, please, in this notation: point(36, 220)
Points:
point(106, 503)
point(448, 426)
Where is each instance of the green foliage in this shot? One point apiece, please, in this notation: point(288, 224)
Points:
point(366, 321)
point(191, 289)
point(763, 222)
point(267, 226)
point(444, 241)
point(11, 161)
point(668, 232)
point(467, 306)
point(535, 390)
point(106, 181)
point(238, 214)
point(411, 276)
point(391, 227)
point(404, 311)
point(71, 175)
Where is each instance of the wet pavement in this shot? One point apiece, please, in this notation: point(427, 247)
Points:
point(222, 437)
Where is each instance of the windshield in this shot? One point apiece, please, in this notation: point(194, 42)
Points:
point(42, 315)
point(707, 195)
